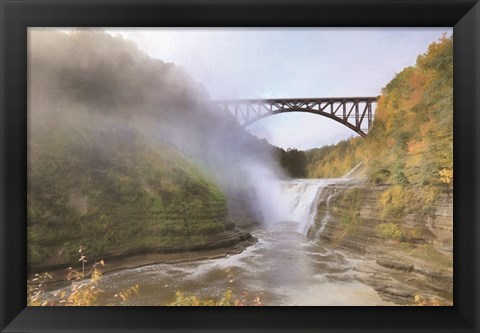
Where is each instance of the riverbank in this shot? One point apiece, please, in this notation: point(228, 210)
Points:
point(230, 242)
point(407, 261)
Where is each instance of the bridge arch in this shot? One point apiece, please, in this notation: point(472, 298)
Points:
point(354, 112)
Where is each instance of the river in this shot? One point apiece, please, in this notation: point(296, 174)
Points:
point(282, 268)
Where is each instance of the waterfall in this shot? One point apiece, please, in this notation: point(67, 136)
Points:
point(297, 201)
point(325, 218)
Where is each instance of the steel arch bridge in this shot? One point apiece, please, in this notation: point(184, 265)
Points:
point(354, 112)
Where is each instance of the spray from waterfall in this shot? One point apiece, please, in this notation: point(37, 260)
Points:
point(297, 200)
point(114, 91)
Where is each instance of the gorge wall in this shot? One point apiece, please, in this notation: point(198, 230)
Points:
point(405, 260)
point(126, 154)
point(399, 219)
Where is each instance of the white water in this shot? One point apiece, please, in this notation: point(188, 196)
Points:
point(296, 201)
point(325, 219)
point(282, 268)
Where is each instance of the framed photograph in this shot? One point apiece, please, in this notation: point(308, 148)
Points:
point(239, 166)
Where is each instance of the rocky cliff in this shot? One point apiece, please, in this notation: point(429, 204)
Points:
point(407, 260)
point(126, 155)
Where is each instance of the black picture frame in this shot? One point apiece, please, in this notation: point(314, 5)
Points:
point(16, 16)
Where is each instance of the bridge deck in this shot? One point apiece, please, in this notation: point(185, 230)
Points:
point(310, 99)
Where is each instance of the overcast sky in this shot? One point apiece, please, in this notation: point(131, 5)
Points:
point(289, 62)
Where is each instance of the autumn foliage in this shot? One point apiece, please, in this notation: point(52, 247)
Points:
point(410, 143)
point(411, 139)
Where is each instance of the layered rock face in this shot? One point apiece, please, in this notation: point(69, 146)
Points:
point(406, 260)
point(162, 232)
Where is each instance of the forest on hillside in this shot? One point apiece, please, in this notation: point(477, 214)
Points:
point(410, 143)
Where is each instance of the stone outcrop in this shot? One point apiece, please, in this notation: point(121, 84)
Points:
point(417, 265)
point(210, 229)
point(219, 245)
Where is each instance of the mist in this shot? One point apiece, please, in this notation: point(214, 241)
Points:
point(133, 169)
point(104, 89)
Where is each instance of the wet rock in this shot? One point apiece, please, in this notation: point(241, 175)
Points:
point(431, 300)
point(413, 240)
point(399, 266)
point(229, 225)
point(354, 246)
point(395, 291)
point(436, 276)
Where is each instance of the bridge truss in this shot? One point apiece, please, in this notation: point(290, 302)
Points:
point(353, 112)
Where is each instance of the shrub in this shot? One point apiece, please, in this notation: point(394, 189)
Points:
point(81, 292)
point(394, 201)
point(228, 299)
point(446, 176)
point(390, 231)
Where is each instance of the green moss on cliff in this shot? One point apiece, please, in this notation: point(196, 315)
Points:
point(128, 194)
